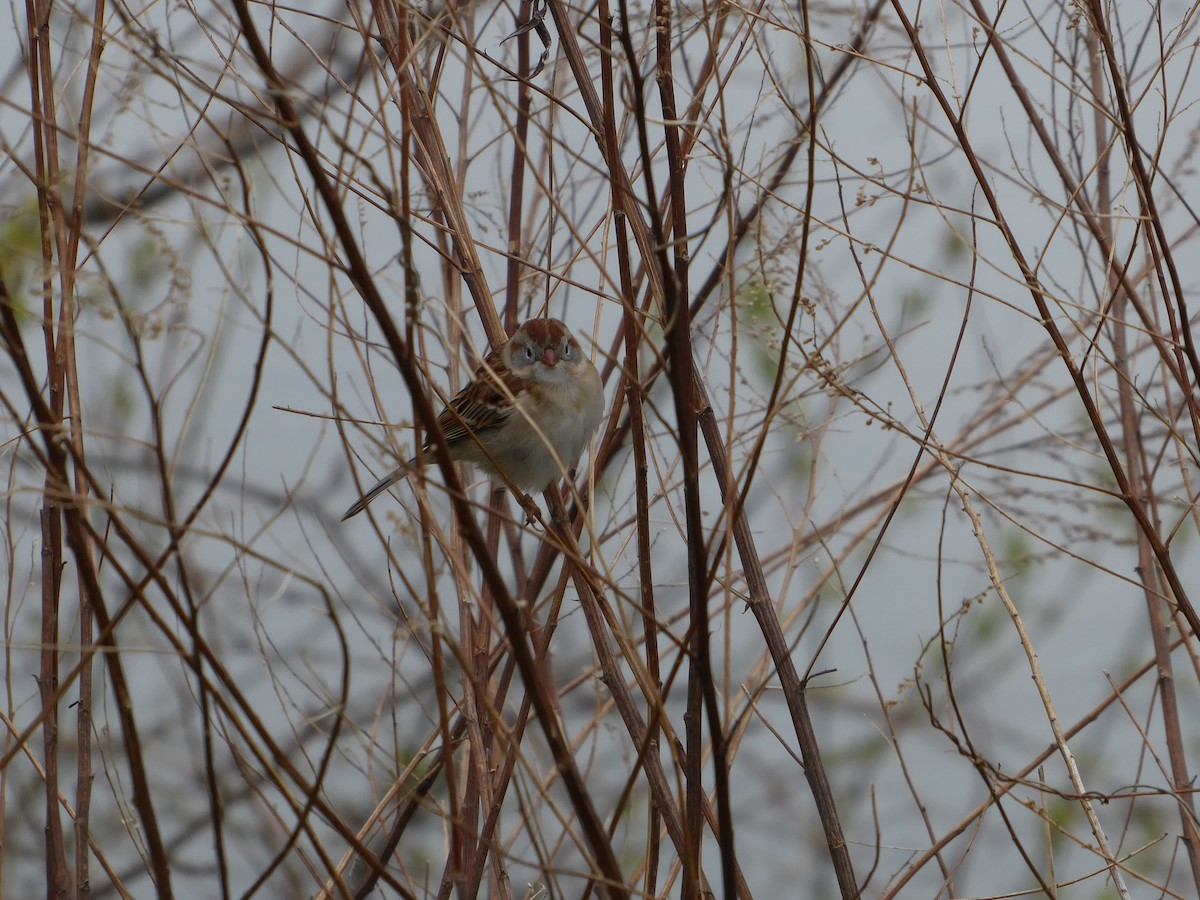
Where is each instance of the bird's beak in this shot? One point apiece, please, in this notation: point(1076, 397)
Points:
point(550, 356)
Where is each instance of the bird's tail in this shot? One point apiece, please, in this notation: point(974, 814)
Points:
point(397, 474)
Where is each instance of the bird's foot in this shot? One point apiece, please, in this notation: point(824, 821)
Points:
point(532, 513)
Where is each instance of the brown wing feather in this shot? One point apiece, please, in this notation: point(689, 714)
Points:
point(471, 413)
point(478, 407)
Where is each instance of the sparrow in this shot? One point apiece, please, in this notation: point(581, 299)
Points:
point(525, 417)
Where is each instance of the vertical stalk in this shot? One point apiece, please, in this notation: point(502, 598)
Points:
point(1141, 480)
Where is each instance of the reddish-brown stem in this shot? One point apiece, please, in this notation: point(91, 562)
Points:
point(1142, 479)
point(357, 269)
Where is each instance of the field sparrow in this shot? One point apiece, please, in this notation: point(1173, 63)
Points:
point(529, 411)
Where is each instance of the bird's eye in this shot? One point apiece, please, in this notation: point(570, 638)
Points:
point(529, 353)
point(566, 351)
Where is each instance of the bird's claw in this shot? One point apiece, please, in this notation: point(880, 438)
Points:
point(532, 513)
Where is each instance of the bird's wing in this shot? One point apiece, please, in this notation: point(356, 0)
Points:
point(477, 408)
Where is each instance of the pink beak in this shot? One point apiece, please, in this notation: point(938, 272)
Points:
point(550, 356)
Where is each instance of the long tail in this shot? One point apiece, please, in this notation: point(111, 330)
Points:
point(391, 478)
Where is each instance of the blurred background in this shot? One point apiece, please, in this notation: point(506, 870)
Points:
point(920, 529)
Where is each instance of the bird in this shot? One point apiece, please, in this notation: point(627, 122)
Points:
point(531, 408)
